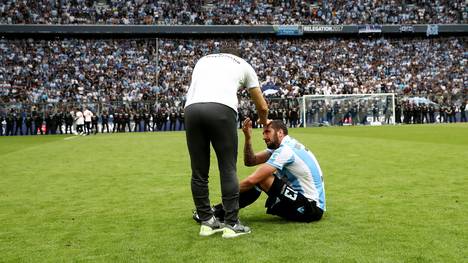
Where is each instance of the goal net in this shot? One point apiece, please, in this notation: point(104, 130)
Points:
point(348, 109)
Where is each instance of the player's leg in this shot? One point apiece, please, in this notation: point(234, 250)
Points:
point(223, 133)
point(199, 149)
point(246, 198)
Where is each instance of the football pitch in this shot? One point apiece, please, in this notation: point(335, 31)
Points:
point(394, 194)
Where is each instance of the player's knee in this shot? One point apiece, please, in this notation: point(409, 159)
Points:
point(267, 183)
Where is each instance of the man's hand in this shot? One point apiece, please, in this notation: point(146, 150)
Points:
point(268, 121)
point(247, 128)
point(250, 158)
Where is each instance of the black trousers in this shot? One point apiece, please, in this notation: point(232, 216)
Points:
point(213, 123)
point(104, 124)
point(88, 127)
point(115, 126)
point(68, 127)
point(94, 128)
point(29, 130)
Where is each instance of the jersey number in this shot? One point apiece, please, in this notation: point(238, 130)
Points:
point(290, 193)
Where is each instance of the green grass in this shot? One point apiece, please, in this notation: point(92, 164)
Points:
point(394, 194)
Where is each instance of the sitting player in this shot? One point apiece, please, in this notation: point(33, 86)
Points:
point(288, 173)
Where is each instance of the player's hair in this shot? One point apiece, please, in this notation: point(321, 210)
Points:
point(229, 49)
point(279, 125)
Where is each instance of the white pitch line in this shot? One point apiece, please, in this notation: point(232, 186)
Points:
point(70, 138)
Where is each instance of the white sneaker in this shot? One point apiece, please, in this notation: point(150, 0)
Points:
point(236, 230)
point(211, 227)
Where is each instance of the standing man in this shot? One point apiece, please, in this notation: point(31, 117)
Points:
point(88, 115)
point(137, 121)
point(104, 122)
point(115, 122)
point(1, 124)
point(58, 117)
point(172, 120)
point(19, 123)
point(181, 117)
point(126, 121)
point(68, 122)
point(146, 121)
point(10, 121)
point(48, 122)
point(398, 113)
point(154, 115)
point(375, 112)
point(94, 124)
point(463, 108)
point(38, 121)
point(211, 117)
point(28, 123)
point(79, 119)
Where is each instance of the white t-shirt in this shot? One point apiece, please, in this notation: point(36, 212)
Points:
point(79, 118)
point(217, 77)
point(87, 115)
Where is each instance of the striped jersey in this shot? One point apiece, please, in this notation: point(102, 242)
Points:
point(299, 167)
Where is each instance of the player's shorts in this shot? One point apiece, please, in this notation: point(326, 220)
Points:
point(290, 204)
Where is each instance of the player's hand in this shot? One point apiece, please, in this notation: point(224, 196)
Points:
point(247, 127)
point(268, 121)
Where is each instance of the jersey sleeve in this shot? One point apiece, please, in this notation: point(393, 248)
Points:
point(251, 78)
point(281, 157)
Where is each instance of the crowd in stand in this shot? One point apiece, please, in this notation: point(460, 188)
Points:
point(204, 12)
point(100, 71)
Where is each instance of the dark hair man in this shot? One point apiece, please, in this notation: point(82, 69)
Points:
point(211, 117)
point(288, 173)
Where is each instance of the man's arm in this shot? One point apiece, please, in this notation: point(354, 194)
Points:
point(260, 104)
point(260, 175)
point(250, 158)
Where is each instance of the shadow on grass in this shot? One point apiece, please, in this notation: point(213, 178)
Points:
point(275, 220)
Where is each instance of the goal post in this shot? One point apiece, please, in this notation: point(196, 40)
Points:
point(348, 109)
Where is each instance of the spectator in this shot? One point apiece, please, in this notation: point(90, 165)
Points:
point(233, 12)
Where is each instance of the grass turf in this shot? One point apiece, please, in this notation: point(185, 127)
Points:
point(394, 194)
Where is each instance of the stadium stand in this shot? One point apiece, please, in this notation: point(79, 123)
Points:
point(84, 70)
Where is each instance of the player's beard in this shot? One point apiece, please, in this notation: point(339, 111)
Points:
point(274, 143)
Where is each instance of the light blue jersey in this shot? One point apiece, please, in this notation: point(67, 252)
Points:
point(300, 168)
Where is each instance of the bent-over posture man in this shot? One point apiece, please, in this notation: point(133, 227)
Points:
point(288, 173)
point(211, 117)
